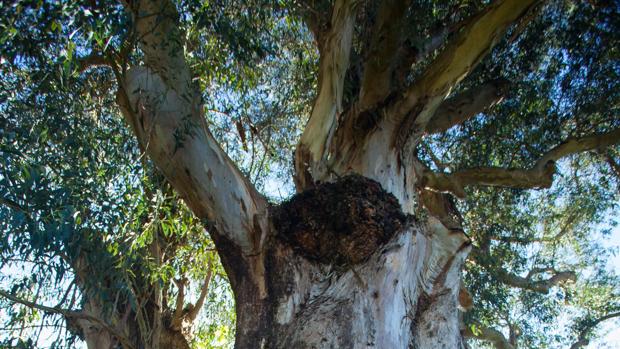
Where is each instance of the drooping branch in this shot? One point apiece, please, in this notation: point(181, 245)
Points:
point(334, 61)
point(455, 110)
point(381, 61)
point(488, 334)
point(164, 107)
point(458, 58)
point(539, 176)
point(71, 314)
point(582, 339)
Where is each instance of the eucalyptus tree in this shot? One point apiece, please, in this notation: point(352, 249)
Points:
point(413, 131)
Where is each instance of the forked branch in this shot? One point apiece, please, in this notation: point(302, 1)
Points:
point(459, 57)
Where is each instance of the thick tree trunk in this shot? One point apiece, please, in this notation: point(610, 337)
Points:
point(346, 268)
point(380, 303)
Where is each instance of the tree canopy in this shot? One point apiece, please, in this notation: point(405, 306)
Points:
point(525, 147)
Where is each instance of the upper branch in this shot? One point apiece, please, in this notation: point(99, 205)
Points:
point(613, 163)
point(539, 176)
point(458, 58)
point(455, 110)
point(92, 61)
point(164, 107)
point(334, 47)
point(195, 308)
point(583, 340)
point(528, 282)
point(384, 44)
point(540, 286)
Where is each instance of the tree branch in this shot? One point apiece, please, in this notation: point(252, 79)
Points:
point(539, 176)
point(462, 107)
point(177, 316)
point(92, 61)
point(526, 283)
point(14, 206)
point(195, 309)
point(540, 286)
point(613, 164)
point(70, 314)
point(583, 340)
point(381, 62)
point(335, 50)
point(488, 334)
point(164, 106)
point(458, 58)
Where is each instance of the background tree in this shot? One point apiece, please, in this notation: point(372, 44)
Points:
point(429, 104)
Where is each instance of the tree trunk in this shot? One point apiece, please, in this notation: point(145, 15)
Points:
point(344, 264)
point(122, 329)
point(346, 268)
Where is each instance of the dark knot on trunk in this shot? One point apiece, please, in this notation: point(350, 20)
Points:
point(341, 222)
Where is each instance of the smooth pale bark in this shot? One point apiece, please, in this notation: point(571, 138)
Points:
point(402, 297)
point(322, 124)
